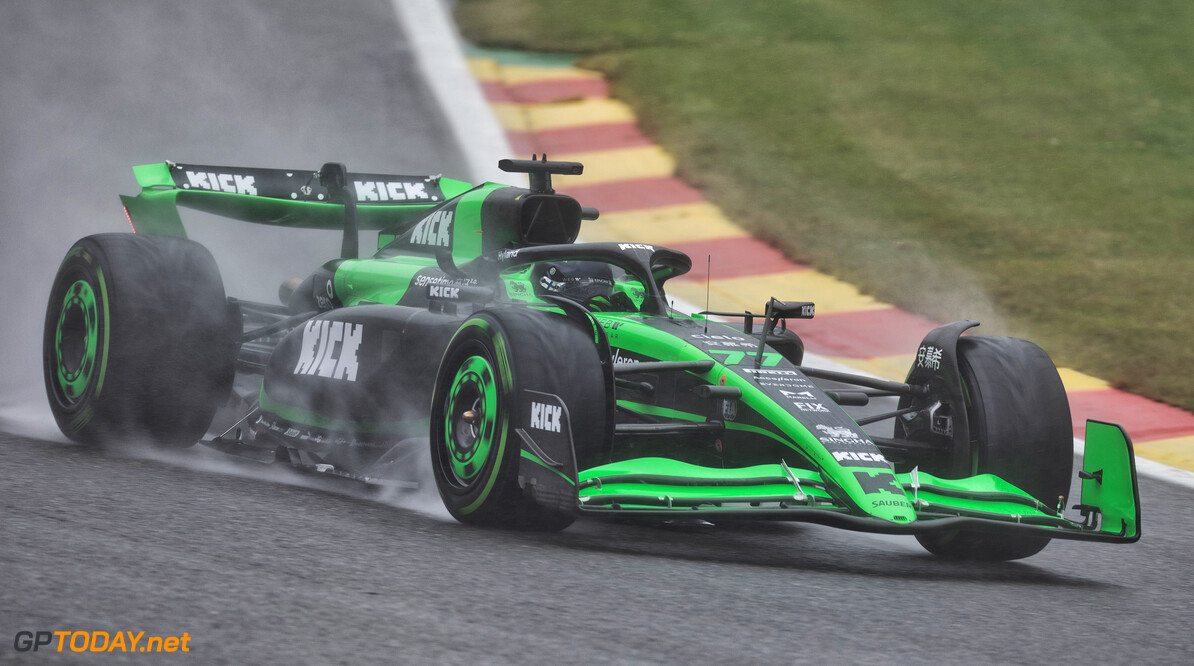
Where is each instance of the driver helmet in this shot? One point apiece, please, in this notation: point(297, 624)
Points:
point(578, 280)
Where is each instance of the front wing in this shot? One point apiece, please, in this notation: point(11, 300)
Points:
point(657, 487)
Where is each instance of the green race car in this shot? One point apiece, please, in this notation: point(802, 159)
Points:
point(552, 378)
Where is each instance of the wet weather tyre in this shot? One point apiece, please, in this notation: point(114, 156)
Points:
point(475, 449)
point(140, 341)
point(1020, 430)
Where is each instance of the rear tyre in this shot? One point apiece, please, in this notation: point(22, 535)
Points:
point(475, 450)
point(139, 343)
point(1020, 431)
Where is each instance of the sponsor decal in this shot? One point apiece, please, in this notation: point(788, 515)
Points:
point(775, 378)
point(424, 280)
point(635, 246)
point(325, 298)
point(929, 357)
point(99, 641)
point(434, 230)
point(724, 341)
point(618, 358)
point(853, 456)
point(220, 182)
point(731, 343)
point(329, 349)
point(849, 447)
point(811, 407)
point(545, 417)
point(380, 190)
point(443, 291)
point(518, 288)
point(838, 431)
point(808, 311)
point(505, 255)
point(611, 325)
point(795, 383)
point(898, 503)
point(767, 372)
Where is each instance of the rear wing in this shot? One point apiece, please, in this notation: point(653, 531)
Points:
point(290, 198)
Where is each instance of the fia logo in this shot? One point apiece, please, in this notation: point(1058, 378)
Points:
point(330, 349)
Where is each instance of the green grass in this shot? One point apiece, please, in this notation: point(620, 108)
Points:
point(1029, 164)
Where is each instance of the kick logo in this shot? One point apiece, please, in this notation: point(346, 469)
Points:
point(854, 456)
point(221, 182)
point(380, 190)
point(330, 349)
point(441, 291)
point(546, 417)
point(435, 230)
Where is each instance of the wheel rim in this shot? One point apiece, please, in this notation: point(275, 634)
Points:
point(470, 420)
point(76, 339)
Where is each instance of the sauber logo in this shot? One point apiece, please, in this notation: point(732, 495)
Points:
point(435, 230)
point(221, 182)
point(330, 350)
point(546, 417)
point(380, 190)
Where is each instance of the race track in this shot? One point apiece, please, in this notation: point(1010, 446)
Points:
point(263, 566)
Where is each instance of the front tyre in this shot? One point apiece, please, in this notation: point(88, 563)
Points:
point(1020, 431)
point(139, 343)
point(475, 448)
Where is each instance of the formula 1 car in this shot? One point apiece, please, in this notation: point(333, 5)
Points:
point(552, 378)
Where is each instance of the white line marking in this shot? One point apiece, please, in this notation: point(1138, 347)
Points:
point(439, 52)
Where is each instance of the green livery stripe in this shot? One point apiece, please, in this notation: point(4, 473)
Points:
point(744, 427)
point(654, 480)
point(655, 410)
point(535, 459)
point(655, 466)
point(107, 325)
point(499, 345)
